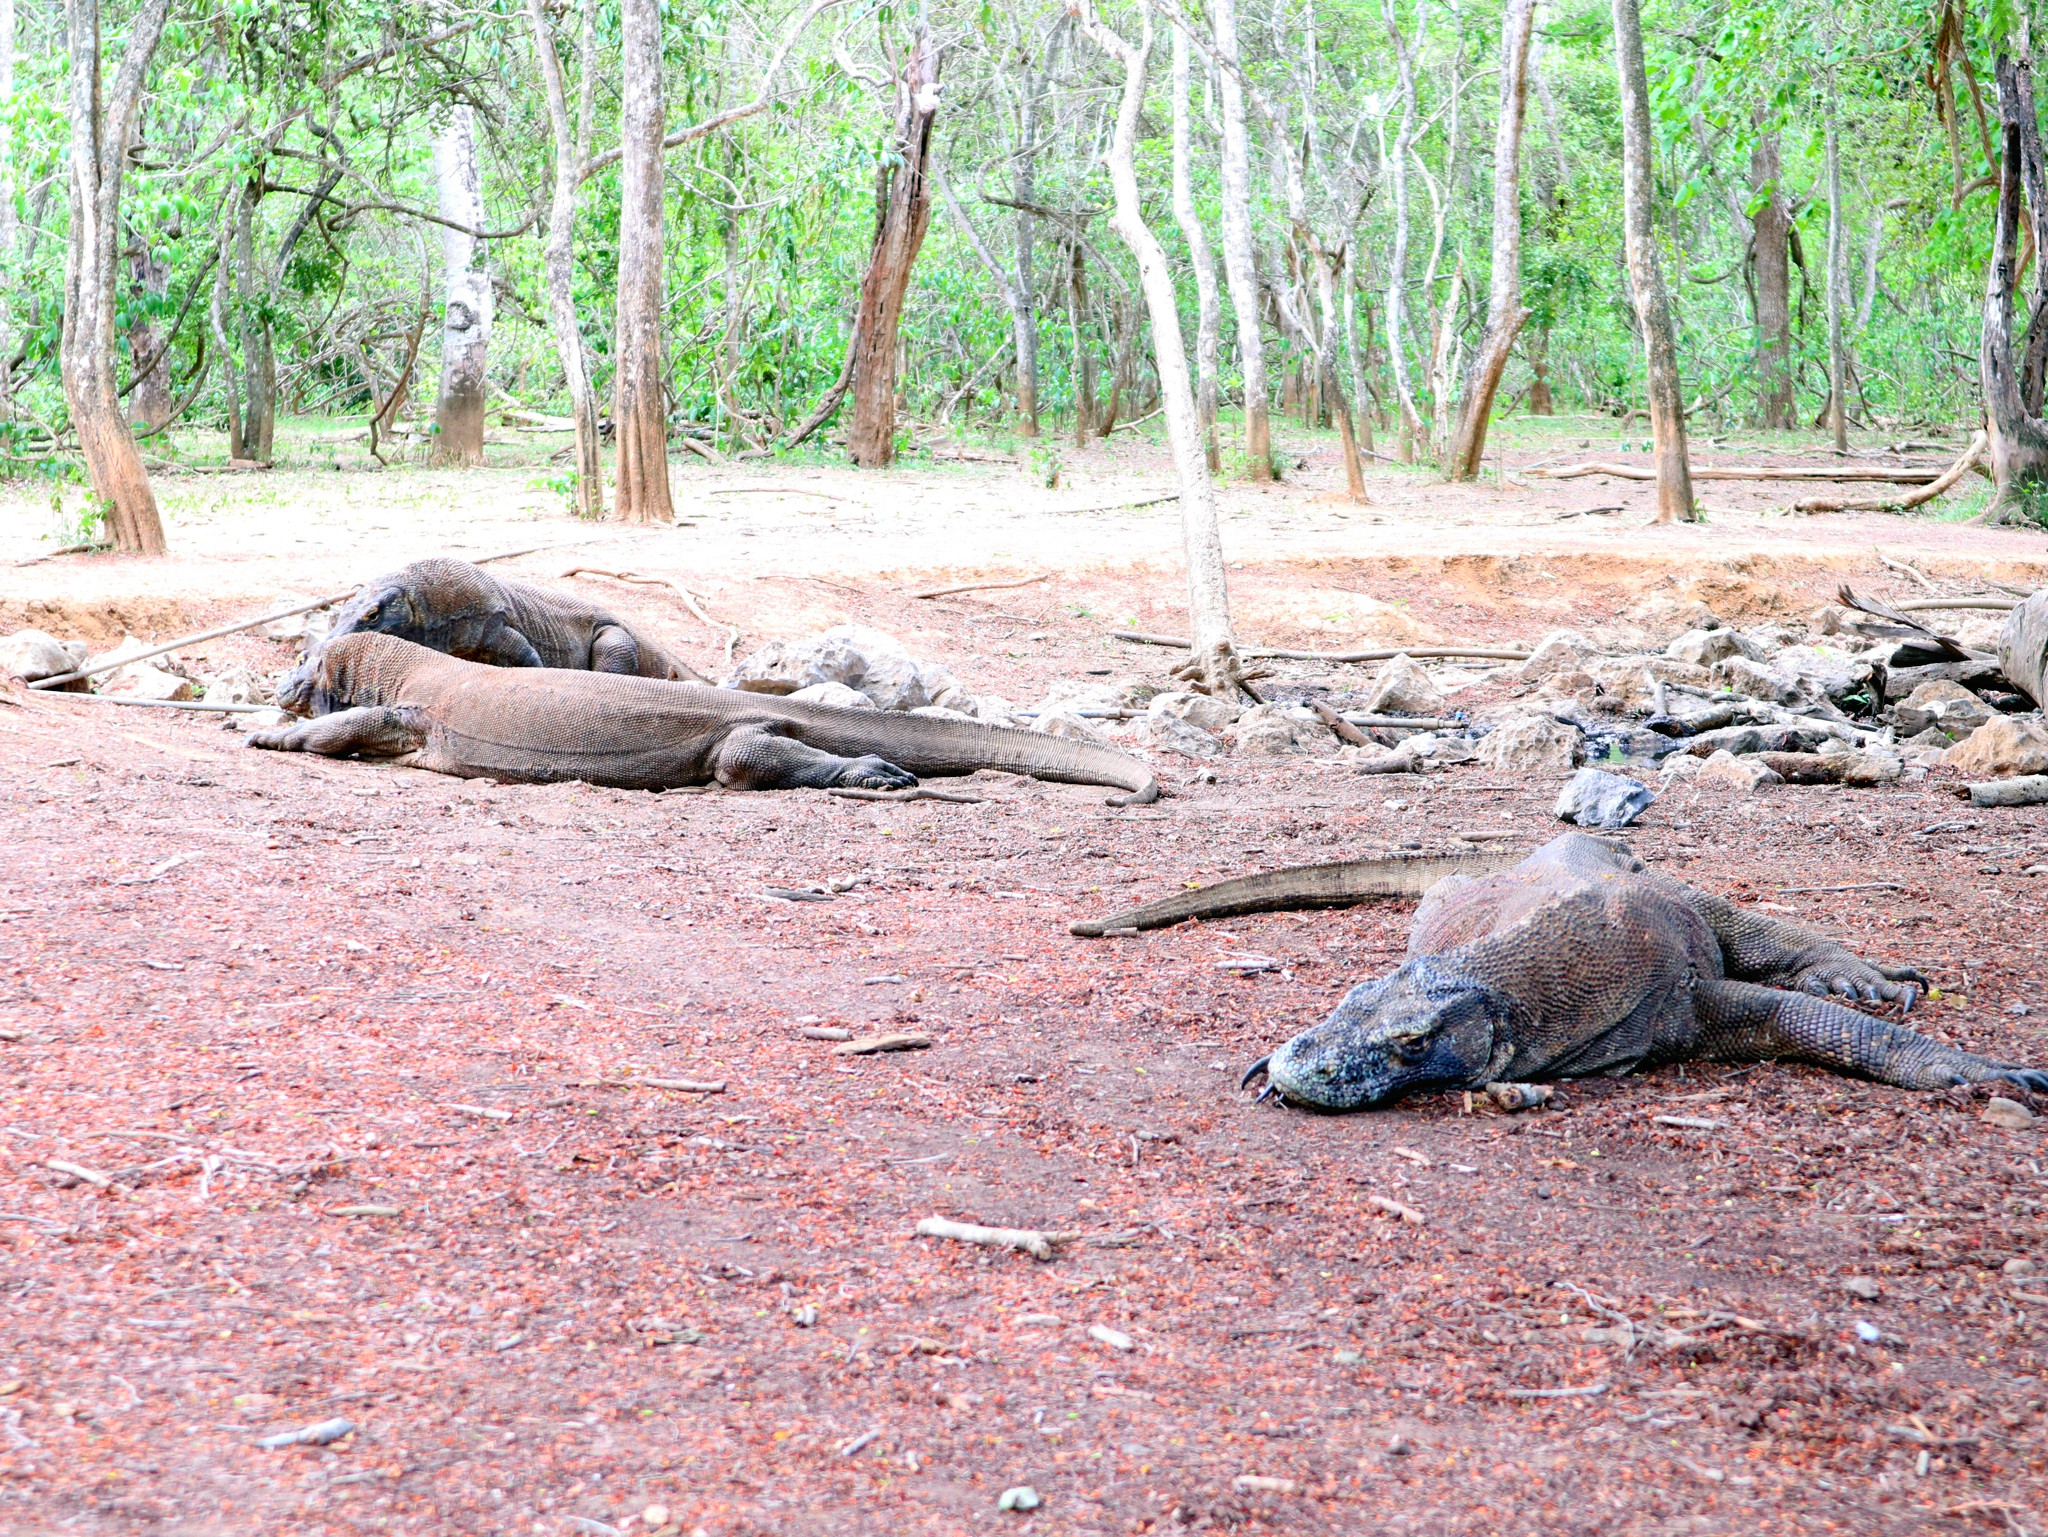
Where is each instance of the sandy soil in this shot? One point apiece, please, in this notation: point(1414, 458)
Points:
point(360, 1051)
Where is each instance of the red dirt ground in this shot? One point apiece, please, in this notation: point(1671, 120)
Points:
point(258, 991)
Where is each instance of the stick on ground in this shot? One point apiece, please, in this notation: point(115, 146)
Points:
point(1144, 638)
point(947, 592)
point(1026, 1240)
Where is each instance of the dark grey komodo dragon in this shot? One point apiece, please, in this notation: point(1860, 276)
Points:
point(460, 609)
point(379, 697)
point(1580, 960)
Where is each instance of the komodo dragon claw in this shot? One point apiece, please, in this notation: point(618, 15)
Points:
point(1252, 1072)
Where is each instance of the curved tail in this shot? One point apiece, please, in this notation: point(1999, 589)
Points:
point(1344, 884)
point(935, 746)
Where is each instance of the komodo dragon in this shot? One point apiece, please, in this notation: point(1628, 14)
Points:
point(452, 606)
point(381, 697)
point(1581, 960)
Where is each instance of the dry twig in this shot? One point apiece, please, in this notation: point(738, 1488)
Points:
point(1031, 1241)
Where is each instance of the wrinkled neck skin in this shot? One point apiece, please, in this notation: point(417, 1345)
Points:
point(341, 675)
point(391, 608)
point(1426, 1026)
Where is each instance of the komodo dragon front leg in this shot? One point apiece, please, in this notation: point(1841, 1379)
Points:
point(758, 758)
point(1742, 1022)
point(1776, 954)
point(369, 731)
point(613, 649)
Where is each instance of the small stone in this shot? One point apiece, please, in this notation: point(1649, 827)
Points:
point(1518, 1096)
point(1400, 1446)
point(1115, 1339)
point(1758, 680)
point(871, 661)
point(1862, 1286)
point(1038, 1320)
point(1594, 798)
point(1072, 727)
point(1681, 767)
point(654, 1516)
point(2009, 1114)
point(1164, 731)
point(1403, 687)
point(836, 694)
point(1870, 766)
point(1199, 710)
point(2019, 1266)
point(1019, 1497)
point(1869, 1333)
point(2002, 745)
point(1559, 651)
point(1703, 648)
point(1262, 732)
point(1532, 744)
point(1725, 771)
point(1346, 1358)
point(1259, 1483)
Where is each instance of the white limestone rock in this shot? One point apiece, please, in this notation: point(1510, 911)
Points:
point(1532, 744)
point(1404, 687)
point(1725, 771)
point(1559, 651)
point(32, 654)
point(2003, 745)
point(1201, 711)
point(833, 694)
point(869, 660)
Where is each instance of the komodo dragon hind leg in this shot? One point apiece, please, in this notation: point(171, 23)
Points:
point(370, 732)
point(614, 650)
point(1742, 1022)
point(506, 647)
point(755, 758)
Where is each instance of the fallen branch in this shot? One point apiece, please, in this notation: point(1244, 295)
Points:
point(1930, 605)
point(947, 592)
point(1883, 473)
point(1023, 1239)
point(1175, 642)
point(168, 704)
point(774, 491)
point(920, 793)
point(1145, 501)
point(689, 599)
point(1346, 732)
point(1971, 458)
point(69, 549)
point(871, 1045)
point(1136, 421)
point(1394, 1208)
point(1588, 1392)
point(79, 1171)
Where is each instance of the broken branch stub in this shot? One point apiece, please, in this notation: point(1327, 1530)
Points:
point(1031, 1241)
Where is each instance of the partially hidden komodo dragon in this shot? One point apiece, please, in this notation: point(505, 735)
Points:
point(1580, 960)
point(378, 697)
point(461, 609)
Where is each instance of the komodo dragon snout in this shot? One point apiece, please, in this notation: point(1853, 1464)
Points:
point(1582, 960)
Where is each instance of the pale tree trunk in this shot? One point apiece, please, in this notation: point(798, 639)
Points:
point(572, 148)
point(217, 314)
point(1024, 192)
point(259, 366)
point(903, 209)
point(102, 122)
point(1208, 308)
point(1838, 278)
point(639, 405)
point(1213, 664)
point(2019, 438)
point(1446, 351)
point(466, 324)
point(1396, 161)
point(1239, 266)
point(1645, 273)
point(1082, 366)
point(1773, 243)
point(1354, 352)
point(1017, 300)
point(149, 399)
point(1505, 315)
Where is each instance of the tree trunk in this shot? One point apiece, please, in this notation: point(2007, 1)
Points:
point(1646, 275)
point(1239, 265)
point(1213, 665)
point(1505, 315)
point(1772, 222)
point(903, 209)
point(466, 326)
point(1208, 308)
point(571, 150)
point(1538, 350)
point(101, 125)
point(259, 364)
point(149, 400)
point(1024, 192)
point(217, 315)
point(1396, 161)
point(2019, 439)
point(1354, 353)
point(7, 214)
point(1838, 282)
point(1083, 367)
point(639, 405)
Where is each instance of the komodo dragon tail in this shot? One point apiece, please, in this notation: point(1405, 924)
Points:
point(1335, 885)
point(933, 745)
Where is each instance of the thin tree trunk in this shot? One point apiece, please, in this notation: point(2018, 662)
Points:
point(1024, 191)
point(1444, 354)
point(149, 398)
point(217, 315)
point(1239, 266)
point(903, 208)
point(1208, 307)
point(7, 215)
point(2019, 439)
point(1396, 162)
point(1838, 279)
point(466, 324)
point(1772, 255)
point(1505, 315)
point(1213, 665)
point(571, 149)
point(1017, 299)
point(1083, 366)
point(102, 122)
point(639, 405)
point(1646, 275)
point(1354, 352)
point(259, 364)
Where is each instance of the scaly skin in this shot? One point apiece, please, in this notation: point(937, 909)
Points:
point(377, 697)
point(1580, 961)
point(464, 611)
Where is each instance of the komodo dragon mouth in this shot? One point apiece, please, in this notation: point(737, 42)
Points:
point(1581, 960)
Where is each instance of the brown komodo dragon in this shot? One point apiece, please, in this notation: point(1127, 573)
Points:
point(1581, 960)
point(460, 609)
point(379, 697)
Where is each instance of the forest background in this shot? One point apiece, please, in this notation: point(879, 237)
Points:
point(734, 226)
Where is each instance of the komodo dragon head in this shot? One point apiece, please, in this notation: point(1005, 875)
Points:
point(342, 674)
point(1423, 1027)
point(391, 605)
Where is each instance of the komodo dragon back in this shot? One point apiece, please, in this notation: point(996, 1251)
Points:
point(545, 725)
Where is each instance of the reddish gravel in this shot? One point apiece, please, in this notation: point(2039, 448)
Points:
point(260, 992)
